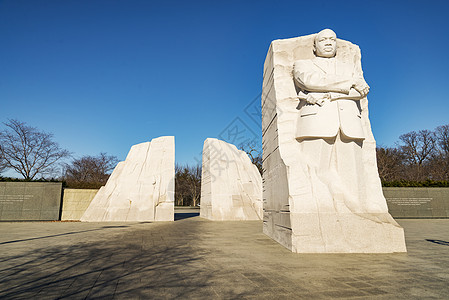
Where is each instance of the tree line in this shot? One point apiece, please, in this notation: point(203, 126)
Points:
point(419, 158)
point(35, 155)
point(187, 185)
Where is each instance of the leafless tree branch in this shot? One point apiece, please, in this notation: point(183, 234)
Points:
point(28, 151)
point(90, 171)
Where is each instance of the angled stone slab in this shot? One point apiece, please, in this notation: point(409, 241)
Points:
point(141, 188)
point(322, 192)
point(231, 186)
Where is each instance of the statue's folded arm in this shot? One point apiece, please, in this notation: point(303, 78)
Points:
point(313, 79)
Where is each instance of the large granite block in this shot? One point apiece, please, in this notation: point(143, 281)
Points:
point(141, 188)
point(322, 192)
point(231, 186)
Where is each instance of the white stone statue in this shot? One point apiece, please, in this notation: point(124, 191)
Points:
point(322, 192)
point(330, 88)
point(329, 126)
point(141, 188)
point(231, 185)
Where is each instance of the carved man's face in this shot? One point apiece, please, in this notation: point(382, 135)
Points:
point(326, 43)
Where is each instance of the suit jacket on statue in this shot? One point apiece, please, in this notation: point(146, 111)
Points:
point(330, 79)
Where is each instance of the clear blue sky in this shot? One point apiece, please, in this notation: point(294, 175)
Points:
point(104, 75)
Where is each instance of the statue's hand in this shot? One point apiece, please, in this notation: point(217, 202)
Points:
point(314, 99)
point(362, 87)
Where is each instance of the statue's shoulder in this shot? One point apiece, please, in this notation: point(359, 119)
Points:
point(303, 63)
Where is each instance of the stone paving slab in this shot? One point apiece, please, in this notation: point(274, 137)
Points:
point(193, 258)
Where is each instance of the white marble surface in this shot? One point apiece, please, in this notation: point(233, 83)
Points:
point(141, 188)
point(322, 192)
point(231, 186)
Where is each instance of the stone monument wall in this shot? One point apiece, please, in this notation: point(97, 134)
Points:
point(231, 185)
point(292, 215)
point(141, 188)
point(30, 201)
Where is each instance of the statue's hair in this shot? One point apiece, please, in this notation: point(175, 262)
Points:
point(317, 34)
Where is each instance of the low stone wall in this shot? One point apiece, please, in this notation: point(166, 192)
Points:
point(402, 202)
point(75, 203)
point(30, 201)
point(414, 203)
point(40, 201)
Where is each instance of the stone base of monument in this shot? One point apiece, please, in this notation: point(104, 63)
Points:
point(164, 212)
point(339, 233)
point(237, 213)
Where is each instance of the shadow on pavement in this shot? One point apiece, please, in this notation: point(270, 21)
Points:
point(439, 242)
point(129, 265)
point(116, 226)
point(181, 216)
point(62, 234)
point(49, 236)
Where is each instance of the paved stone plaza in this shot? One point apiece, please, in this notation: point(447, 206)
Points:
point(193, 258)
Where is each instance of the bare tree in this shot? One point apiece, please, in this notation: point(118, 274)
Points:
point(254, 154)
point(442, 137)
point(3, 166)
point(194, 181)
point(440, 161)
point(418, 148)
point(28, 151)
point(187, 185)
point(389, 163)
point(90, 171)
point(181, 190)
